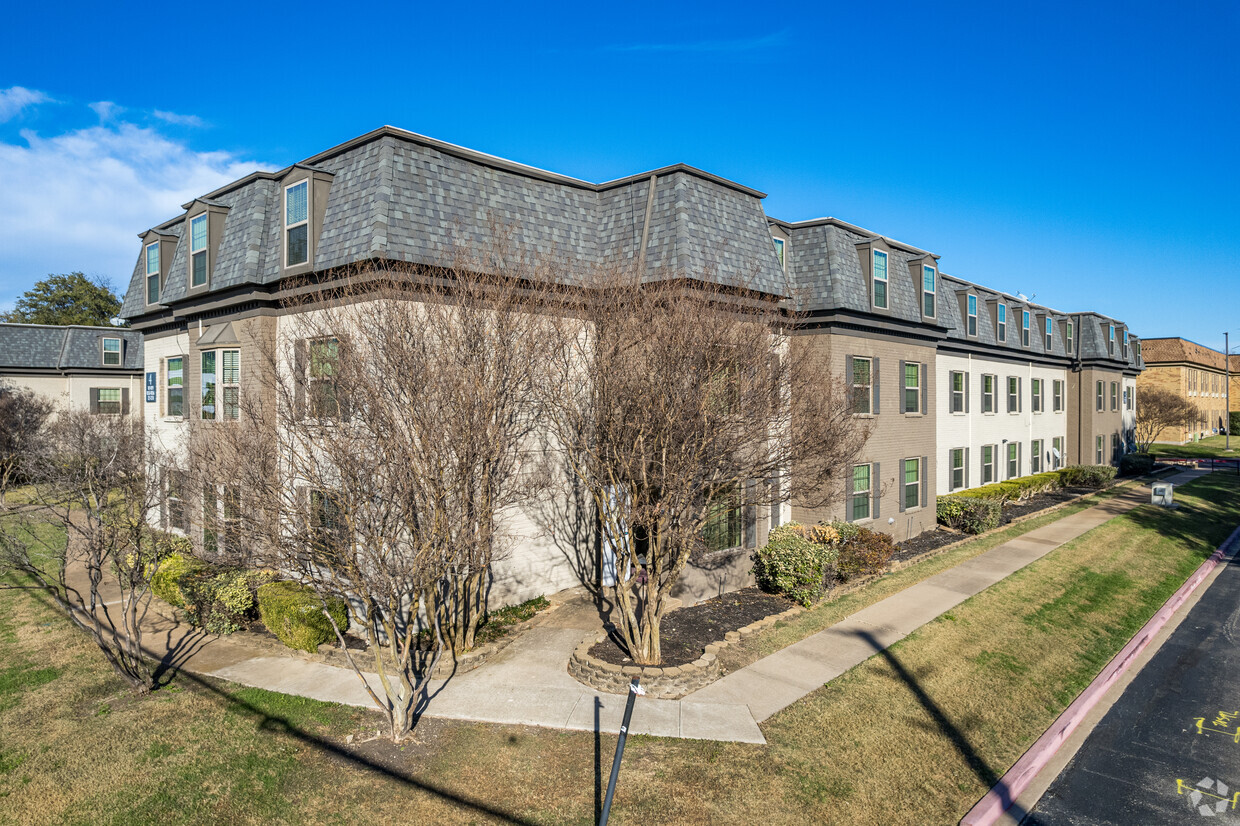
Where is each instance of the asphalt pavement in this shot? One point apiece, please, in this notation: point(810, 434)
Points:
point(1168, 750)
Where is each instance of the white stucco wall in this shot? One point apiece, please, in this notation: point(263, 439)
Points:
point(974, 429)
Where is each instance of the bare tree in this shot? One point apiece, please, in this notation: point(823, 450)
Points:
point(679, 403)
point(401, 431)
point(1159, 410)
point(91, 477)
point(23, 416)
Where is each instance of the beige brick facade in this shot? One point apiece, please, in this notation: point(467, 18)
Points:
point(1195, 373)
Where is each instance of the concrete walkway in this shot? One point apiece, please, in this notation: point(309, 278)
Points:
point(528, 683)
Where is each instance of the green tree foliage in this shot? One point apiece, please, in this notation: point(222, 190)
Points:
point(68, 298)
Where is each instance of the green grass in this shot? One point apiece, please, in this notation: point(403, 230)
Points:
point(911, 736)
point(1210, 447)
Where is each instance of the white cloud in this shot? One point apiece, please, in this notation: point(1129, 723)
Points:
point(14, 99)
point(179, 120)
point(76, 201)
point(106, 110)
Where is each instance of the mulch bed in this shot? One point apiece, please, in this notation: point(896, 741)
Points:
point(1042, 501)
point(686, 631)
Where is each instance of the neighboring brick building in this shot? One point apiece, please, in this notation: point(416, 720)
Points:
point(1194, 372)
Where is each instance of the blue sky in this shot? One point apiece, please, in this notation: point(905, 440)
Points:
point(1082, 154)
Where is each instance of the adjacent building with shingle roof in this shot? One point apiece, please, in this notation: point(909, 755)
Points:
point(91, 368)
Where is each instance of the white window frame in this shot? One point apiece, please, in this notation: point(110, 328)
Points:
point(1002, 322)
point(290, 227)
point(988, 398)
point(119, 401)
point(1057, 447)
point(956, 396)
point(168, 386)
point(781, 252)
point(904, 395)
point(970, 304)
point(1050, 335)
point(988, 467)
point(1100, 396)
point(932, 293)
point(1012, 460)
point(1035, 394)
point(1114, 396)
point(1099, 446)
point(1035, 456)
point(1068, 343)
point(886, 280)
point(149, 275)
point(223, 386)
point(1013, 394)
point(915, 485)
point(1024, 328)
point(119, 352)
point(1125, 345)
point(1111, 339)
point(867, 494)
point(1057, 395)
point(205, 251)
point(869, 386)
point(953, 468)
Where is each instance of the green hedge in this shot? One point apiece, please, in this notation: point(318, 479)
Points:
point(1017, 489)
point(294, 614)
point(1088, 476)
point(792, 565)
point(172, 573)
point(1135, 464)
point(1233, 422)
point(969, 514)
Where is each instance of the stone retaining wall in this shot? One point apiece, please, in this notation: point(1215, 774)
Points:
point(663, 683)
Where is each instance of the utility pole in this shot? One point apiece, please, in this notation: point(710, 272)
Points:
point(1227, 369)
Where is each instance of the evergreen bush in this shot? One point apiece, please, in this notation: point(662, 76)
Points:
point(294, 613)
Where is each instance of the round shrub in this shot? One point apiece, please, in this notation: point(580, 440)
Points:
point(218, 600)
point(1088, 476)
point(294, 614)
point(1135, 464)
point(969, 514)
point(166, 582)
point(792, 565)
point(866, 553)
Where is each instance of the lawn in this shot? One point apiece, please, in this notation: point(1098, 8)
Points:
point(912, 736)
point(1207, 448)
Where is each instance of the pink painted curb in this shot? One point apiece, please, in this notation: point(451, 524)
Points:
point(997, 801)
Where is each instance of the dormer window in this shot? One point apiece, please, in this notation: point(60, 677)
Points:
point(1024, 328)
point(1049, 336)
point(927, 291)
point(1068, 338)
point(1125, 344)
point(880, 279)
point(972, 314)
point(779, 252)
point(1111, 339)
point(297, 224)
point(152, 273)
point(1002, 322)
point(112, 352)
point(198, 251)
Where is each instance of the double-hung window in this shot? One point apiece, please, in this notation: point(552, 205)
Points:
point(912, 387)
point(779, 252)
point(152, 273)
point(198, 251)
point(1114, 396)
point(1013, 460)
point(174, 500)
point(988, 464)
point(725, 522)
point(988, 393)
point(1099, 447)
point(928, 291)
point(1024, 328)
point(1125, 344)
point(111, 352)
point(1013, 394)
point(1057, 457)
point(1035, 456)
point(1049, 336)
point(957, 383)
point(322, 378)
point(972, 322)
point(880, 279)
point(957, 468)
point(1101, 396)
point(327, 518)
point(1057, 395)
point(297, 224)
point(1111, 339)
point(108, 401)
point(208, 384)
point(174, 394)
point(1068, 338)
point(861, 483)
point(912, 483)
point(230, 383)
point(862, 388)
point(1035, 395)
point(1002, 323)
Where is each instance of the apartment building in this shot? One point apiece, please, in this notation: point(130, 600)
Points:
point(208, 287)
point(1196, 373)
point(77, 367)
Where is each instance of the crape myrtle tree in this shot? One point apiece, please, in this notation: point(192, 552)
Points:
point(389, 439)
point(680, 402)
point(90, 474)
point(23, 416)
point(1158, 410)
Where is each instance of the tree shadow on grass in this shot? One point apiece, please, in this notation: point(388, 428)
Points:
point(167, 669)
point(947, 728)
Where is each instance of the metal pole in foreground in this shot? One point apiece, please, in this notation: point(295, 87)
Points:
point(1227, 368)
point(634, 689)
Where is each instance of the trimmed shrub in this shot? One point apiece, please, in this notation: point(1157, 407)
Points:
point(294, 614)
point(866, 553)
point(1088, 476)
point(792, 565)
point(1135, 464)
point(219, 601)
point(969, 514)
point(1016, 490)
point(173, 571)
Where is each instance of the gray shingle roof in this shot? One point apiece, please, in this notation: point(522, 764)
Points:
point(46, 347)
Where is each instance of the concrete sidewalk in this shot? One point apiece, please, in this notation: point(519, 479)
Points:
point(528, 683)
